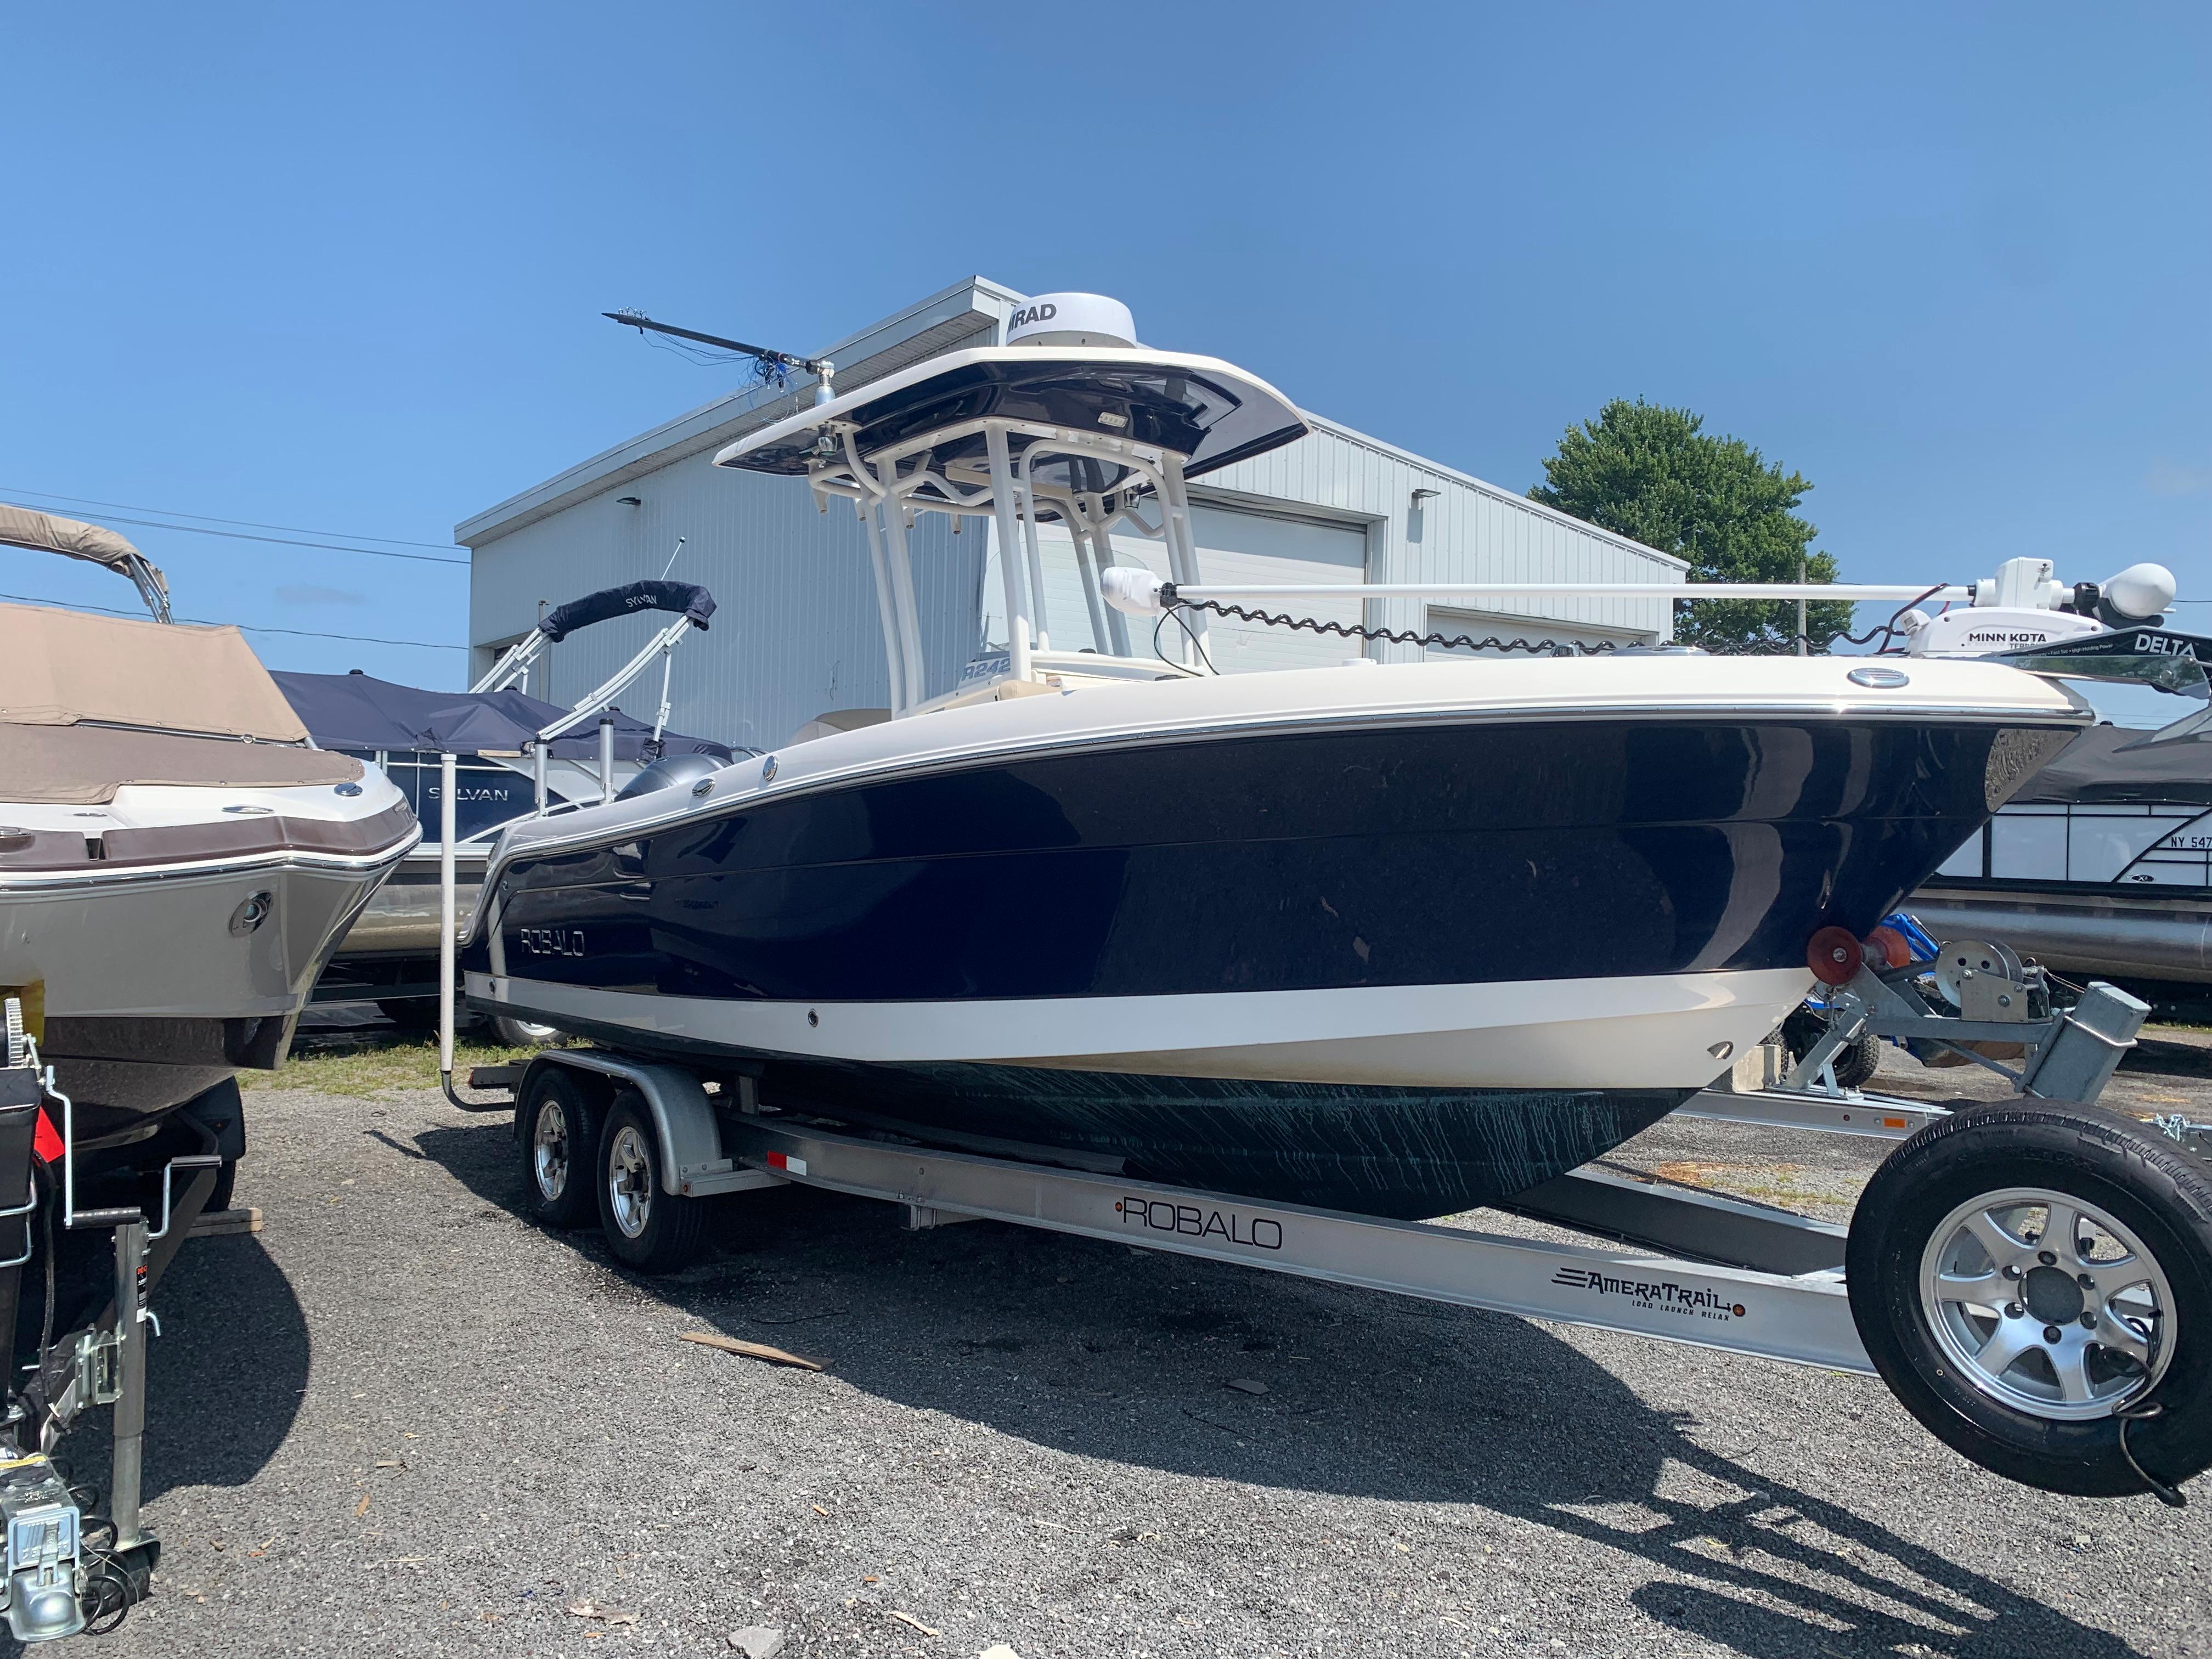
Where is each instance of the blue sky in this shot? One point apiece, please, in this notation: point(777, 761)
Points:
point(341, 269)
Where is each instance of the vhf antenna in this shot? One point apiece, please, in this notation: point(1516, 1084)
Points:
point(821, 367)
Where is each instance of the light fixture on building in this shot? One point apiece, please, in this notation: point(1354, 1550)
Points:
point(1420, 495)
point(628, 501)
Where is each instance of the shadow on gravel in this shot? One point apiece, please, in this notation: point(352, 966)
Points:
point(225, 1377)
point(1105, 1351)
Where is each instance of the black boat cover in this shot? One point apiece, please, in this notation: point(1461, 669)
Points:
point(2100, 768)
point(684, 598)
point(359, 712)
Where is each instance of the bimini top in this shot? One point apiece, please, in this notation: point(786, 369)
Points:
point(359, 712)
point(42, 532)
point(1210, 412)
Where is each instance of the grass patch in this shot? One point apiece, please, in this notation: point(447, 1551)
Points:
point(374, 1061)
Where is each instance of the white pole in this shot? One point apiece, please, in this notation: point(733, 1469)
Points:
point(1010, 553)
point(1803, 646)
point(886, 607)
point(447, 835)
point(538, 750)
point(1030, 545)
point(900, 563)
point(1102, 558)
point(606, 758)
point(1087, 565)
point(1181, 534)
point(1569, 591)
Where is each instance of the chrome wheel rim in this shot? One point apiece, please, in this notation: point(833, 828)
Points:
point(548, 1151)
point(2047, 1304)
point(629, 1181)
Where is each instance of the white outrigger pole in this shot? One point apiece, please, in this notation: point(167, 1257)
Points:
point(2021, 605)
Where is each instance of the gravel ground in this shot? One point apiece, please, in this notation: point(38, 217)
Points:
point(402, 1420)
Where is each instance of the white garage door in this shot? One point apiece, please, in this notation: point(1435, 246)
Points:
point(1506, 627)
point(1233, 546)
point(1260, 547)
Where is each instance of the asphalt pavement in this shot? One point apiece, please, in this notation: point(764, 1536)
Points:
point(401, 1419)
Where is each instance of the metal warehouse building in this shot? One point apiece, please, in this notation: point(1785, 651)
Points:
point(797, 634)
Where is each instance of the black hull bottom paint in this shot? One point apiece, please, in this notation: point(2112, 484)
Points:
point(1410, 1153)
point(124, 1075)
point(1403, 1152)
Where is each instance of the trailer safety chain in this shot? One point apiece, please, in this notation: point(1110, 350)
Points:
point(2142, 1412)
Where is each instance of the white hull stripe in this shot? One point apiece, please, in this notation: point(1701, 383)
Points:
point(1654, 1031)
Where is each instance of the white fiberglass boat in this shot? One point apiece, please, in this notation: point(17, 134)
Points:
point(1400, 939)
point(176, 861)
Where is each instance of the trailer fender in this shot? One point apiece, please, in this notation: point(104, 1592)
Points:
point(692, 1161)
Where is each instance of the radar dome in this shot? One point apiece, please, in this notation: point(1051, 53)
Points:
point(1071, 320)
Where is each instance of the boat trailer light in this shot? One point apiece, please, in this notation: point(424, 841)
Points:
point(1834, 954)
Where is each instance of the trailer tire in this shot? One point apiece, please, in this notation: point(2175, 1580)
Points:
point(647, 1227)
point(514, 1033)
point(556, 1124)
point(2085, 1371)
point(1857, 1062)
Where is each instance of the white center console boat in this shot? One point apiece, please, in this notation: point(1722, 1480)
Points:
point(1396, 939)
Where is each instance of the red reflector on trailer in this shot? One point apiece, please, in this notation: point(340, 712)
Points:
point(788, 1164)
point(1834, 954)
point(45, 1141)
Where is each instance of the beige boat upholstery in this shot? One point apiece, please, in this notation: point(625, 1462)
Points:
point(58, 667)
point(85, 765)
point(839, 720)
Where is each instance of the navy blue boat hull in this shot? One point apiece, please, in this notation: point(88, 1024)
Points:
point(1423, 855)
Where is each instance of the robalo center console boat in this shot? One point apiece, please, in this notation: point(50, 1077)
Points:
point(1398, 939)
point(1260, 967)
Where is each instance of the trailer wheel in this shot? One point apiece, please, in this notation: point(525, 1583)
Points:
point(557, 1123)
point(2035, 1284)
point(654, 1231)
point(523, 1033)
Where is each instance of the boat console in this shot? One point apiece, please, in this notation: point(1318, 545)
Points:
point(1069, 423)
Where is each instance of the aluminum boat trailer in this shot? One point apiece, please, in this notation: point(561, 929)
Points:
point(642, 1144)
point(68, 1569)
point(2032, 1279)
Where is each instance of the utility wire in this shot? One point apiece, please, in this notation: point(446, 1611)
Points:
point(216, 517)
point(302, 633)
point(280, 541)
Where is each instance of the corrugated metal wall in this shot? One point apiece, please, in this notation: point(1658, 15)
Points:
point(797, 634)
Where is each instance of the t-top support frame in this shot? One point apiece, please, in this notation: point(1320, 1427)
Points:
point(885, 495)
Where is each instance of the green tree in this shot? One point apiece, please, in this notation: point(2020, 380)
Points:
point(1653, 475)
